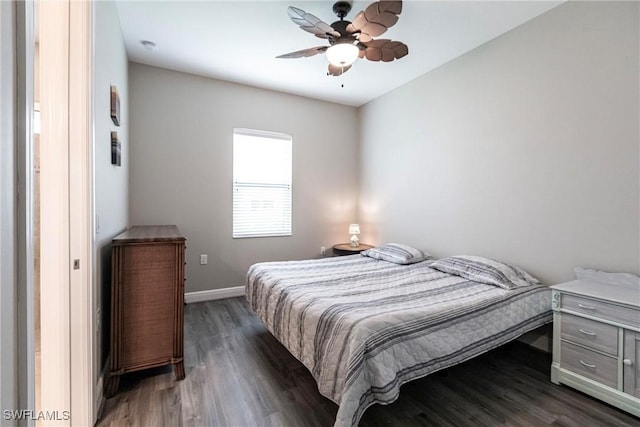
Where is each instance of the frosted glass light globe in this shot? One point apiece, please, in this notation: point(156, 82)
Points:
point(342, 54)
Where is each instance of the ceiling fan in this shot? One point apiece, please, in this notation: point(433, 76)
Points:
point(348, 40)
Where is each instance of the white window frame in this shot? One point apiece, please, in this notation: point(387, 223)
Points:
point(239, 230)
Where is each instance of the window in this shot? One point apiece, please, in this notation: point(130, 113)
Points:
point(261, 183)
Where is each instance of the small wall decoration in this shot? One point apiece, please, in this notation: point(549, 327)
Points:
point(116, 149)
point(115, 106)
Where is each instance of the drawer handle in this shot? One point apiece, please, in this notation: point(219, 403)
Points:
point(588, 365)
point(591, 334)
point(627, 362)
point(586, 307)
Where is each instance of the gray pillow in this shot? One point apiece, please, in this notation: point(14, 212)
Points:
point(485, 270)
point(396, 253)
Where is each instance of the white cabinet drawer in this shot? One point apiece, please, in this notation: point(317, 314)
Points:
point(595, 335)
point(601, 309)
point(597, 366)
point(630, 363)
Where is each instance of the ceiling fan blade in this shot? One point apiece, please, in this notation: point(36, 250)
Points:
point(311, 24)
point(394, 7)
point(337, 70)
point(383, 13)
point(358, 22)
point(364, 38)
point(376, 18)
point(304, 52)
point(385, 50)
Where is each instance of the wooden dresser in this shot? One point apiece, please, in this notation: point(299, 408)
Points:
point(596, 341)
point(147, 301)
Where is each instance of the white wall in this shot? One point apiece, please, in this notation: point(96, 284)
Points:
point(181, 168)
point(111, 183)
point(525, 149)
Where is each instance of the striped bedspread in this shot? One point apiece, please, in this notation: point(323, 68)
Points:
point(364, 327)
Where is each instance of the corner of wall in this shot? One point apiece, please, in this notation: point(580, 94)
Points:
point(111, 182)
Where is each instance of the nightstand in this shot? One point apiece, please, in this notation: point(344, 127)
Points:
point(596, 341)
point(346, 249)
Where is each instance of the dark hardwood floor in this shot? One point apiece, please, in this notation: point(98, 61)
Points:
point(237, 374)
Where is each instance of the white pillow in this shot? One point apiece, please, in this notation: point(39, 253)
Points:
point(485, 270)
point(396, 253)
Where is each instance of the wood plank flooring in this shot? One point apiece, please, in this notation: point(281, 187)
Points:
point(238, 374)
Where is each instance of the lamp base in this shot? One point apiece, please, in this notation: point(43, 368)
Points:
point(355, 242)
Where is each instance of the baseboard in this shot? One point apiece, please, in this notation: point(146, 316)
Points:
point(213, 294)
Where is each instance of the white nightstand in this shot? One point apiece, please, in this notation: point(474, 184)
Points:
point(596, 341)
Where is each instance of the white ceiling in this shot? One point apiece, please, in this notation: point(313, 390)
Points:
point(239, 40)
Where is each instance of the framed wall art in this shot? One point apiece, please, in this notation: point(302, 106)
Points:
point(115, 105)
point(116, 149)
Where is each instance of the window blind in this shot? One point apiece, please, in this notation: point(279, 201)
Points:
point(261, 183)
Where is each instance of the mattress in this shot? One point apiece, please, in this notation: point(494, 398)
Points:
point(363, 327)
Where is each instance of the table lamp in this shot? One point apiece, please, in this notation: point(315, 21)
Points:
point(354, 230)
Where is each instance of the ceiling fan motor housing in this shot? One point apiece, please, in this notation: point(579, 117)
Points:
point(346, 37)
point(341, 27)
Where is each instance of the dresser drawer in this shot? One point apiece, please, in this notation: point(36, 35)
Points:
point(596, 366)
point(601, 309)
point(595, 335)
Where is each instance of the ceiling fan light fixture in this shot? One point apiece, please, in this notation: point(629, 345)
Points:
point(350, 40)
point(343, 54)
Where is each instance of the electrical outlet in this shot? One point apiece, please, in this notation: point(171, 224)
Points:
point(204, 259)
point(323, 250)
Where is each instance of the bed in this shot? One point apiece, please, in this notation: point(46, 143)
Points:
point(365, 326)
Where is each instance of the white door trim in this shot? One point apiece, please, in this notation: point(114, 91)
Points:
point(54, 214)
point(80, 214)
point(66, 226)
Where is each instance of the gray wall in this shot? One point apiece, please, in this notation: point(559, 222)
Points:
point(8, 249)
point(525, 149)
point(181, 168)
point(111, 182)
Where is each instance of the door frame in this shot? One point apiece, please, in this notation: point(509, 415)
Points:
point(83, 390)
point(24, 255)
point(66, 101)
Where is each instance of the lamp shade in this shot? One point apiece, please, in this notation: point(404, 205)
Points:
point(354, 229)
point(342, 54)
